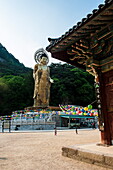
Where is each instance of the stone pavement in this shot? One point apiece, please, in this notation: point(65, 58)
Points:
point(91, 153)
point(42, 150)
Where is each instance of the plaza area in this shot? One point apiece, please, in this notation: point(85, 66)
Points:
point(40, 150)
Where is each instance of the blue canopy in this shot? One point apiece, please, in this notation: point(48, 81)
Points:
point(76, 116)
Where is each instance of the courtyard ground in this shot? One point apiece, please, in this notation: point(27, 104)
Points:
point(43, 150)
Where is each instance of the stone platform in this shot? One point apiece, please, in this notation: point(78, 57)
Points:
point(53, 108)
point(91, 153)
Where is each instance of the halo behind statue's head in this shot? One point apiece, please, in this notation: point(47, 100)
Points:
point(39, 54)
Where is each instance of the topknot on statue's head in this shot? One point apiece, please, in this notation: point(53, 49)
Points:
point(43, 55)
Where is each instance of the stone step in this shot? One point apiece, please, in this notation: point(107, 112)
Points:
point(92, 153)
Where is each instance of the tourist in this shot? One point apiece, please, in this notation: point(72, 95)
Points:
point(93, 125)
point(55, 131)
point(76, 130)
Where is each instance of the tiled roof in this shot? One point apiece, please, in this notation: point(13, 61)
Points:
point(79, 25)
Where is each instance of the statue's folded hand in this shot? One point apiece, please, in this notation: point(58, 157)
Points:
point(51, 80)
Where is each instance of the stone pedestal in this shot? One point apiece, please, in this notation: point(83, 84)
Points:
point(52, 108)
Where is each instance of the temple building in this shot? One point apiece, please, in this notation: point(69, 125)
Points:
point(89, 45)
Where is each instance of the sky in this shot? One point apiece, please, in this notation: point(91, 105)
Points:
point(26, 25)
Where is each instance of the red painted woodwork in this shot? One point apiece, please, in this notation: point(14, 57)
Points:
point(107, 107)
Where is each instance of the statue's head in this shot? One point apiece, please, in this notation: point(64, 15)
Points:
point(41, 56)
point(43, 60)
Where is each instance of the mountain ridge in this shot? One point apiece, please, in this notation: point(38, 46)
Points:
point(9, 64)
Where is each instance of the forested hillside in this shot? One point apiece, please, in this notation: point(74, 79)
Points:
point(16, 83)
point(9, 64)
point(71, 85)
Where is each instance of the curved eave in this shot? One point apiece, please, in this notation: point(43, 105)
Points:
point(63, 56)
point(94, 22)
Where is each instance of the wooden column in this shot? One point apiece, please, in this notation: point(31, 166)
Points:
point(104, 92)
point(106, 87)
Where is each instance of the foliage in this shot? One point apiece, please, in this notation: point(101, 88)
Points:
point(16, 83)
point(9, 65)
point(71, 85)
point(15, 93)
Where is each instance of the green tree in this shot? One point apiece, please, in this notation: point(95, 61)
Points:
point(16, 93)
point(71, 85)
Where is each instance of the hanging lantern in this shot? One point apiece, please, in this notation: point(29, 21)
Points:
point(86, 108)
point(90, 106)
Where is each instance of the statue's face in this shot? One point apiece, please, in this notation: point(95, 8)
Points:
point(43, 60)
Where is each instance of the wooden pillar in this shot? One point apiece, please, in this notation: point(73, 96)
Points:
point(104, 92)
point(106, 87)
